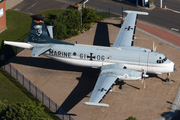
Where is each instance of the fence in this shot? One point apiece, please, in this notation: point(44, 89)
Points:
point(37, 92)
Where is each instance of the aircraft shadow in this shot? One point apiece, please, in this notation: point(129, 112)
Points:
point(156, 76)
point(101, 37)
point(121, 83)
point(86, 84)
point(47, 63)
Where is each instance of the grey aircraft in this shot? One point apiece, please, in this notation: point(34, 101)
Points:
point(122, 61)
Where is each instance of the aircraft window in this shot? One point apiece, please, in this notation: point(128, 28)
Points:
point(165, 59)
point(160, 61)
point(159, 57)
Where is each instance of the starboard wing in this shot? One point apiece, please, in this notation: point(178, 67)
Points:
point(104, 83)
point(125, 36)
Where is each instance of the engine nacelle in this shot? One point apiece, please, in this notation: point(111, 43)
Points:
point(124, 74)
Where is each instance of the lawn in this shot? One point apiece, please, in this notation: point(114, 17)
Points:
point(53, 12)
point(13, 92)
point(18, 26)
point(106, 14)
point(9, 91)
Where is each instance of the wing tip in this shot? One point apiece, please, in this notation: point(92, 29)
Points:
point(96, 104)
point(137, 12)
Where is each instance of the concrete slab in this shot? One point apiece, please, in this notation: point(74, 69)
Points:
point(69, 86)
point(11, 3)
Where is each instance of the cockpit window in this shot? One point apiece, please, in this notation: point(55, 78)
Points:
point(162, 60)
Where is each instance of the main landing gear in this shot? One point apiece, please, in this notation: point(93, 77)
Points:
point(167, 79)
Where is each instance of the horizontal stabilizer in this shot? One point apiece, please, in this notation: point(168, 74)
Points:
point(38, 51)
point(137, 12)
point(96, 104)
point(19, 44)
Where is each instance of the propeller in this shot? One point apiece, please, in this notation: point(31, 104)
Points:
point(154, 47)
point(144, 75)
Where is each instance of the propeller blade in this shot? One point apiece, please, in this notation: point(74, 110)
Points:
point(144, 84)
point(154, 47)
point(144, 75)
point(142, 80)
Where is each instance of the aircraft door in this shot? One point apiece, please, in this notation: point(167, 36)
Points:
point(143, 63)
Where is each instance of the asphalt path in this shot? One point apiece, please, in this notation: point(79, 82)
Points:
point(38, 6)
point(167, 19)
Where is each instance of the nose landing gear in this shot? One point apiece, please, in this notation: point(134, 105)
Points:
point(167, 79)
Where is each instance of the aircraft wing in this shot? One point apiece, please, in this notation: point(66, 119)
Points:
point(125, 36)
point(105, 81)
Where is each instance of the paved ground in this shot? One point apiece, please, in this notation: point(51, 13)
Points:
point(69, 86)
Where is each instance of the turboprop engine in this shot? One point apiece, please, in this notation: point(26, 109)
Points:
point(124, 74)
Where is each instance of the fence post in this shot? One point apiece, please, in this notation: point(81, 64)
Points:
point(122, 12)
point(136, 2)
point(29, 86)
point(109, 13)
point(16, 75)
point(36, 91)
point(49, 104)
point(42, 97)
point(56, 106)
point(10, 69)
point(23, 79)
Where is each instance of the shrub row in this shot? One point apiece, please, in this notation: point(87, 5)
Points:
point(69, 23)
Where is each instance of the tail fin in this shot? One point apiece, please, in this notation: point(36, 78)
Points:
point(38, 32)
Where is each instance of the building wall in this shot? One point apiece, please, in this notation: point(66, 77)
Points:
point(2, 15)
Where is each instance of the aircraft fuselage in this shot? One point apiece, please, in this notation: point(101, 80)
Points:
point(97, 56)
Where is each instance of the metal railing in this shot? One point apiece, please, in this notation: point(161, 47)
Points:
point(37, 92)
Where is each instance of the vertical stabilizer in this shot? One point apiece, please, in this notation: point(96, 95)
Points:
point(38, 32)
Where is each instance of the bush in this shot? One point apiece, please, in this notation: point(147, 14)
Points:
point(88, 15)
point(2, 108)
point(68, 24)
point(60, 30)
point(24, 111)
point(150, 1)
point(131, 118)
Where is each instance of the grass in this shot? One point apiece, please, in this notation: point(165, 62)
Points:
point(9, 92)
point(18, 26)
point(13, 92)
point(106, 14)
point(51, 13)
